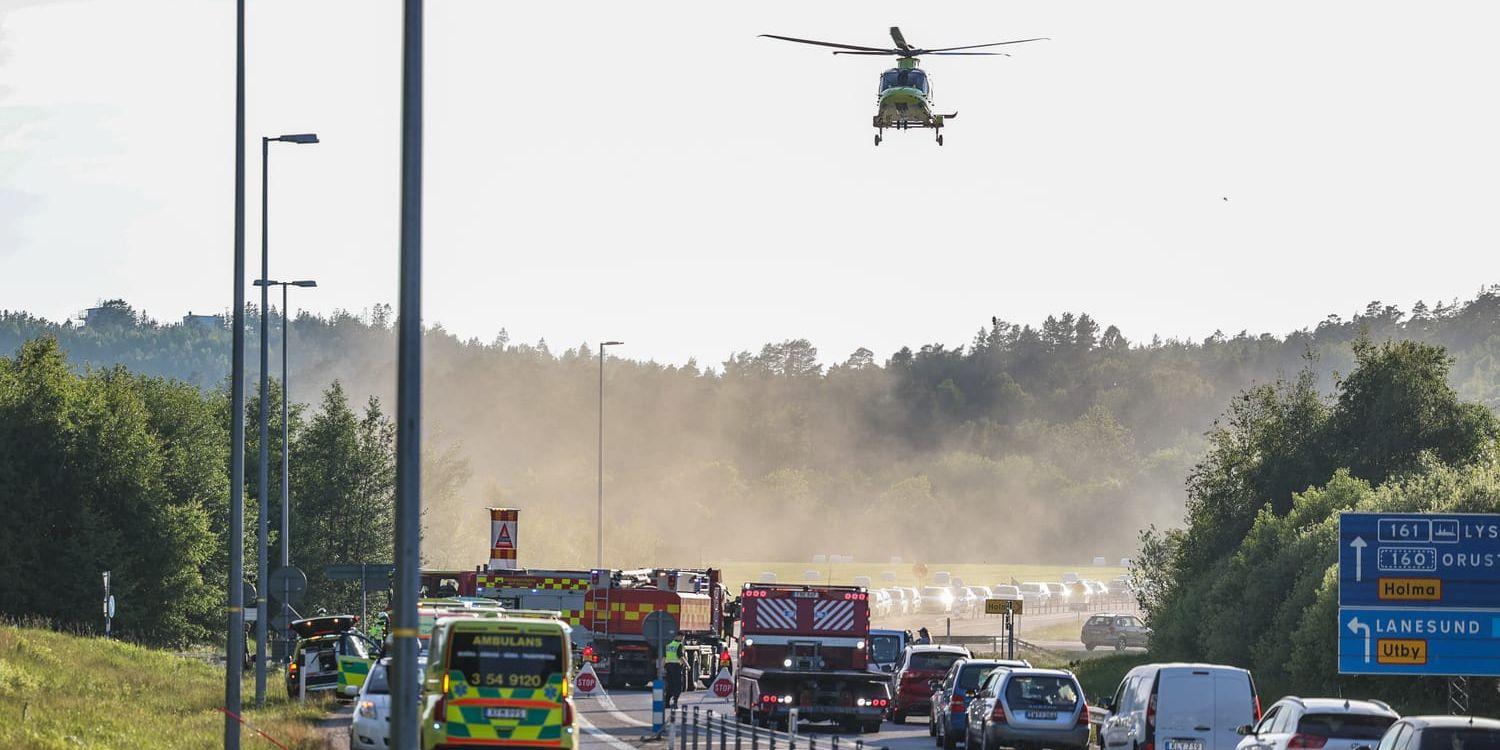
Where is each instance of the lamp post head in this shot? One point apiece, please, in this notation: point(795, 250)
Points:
point(267, 282)
point(298, 138)
point(304, 282)
point(612, 343)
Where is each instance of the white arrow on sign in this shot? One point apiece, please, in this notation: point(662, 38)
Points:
point(1355, 626)
point(1359, 559)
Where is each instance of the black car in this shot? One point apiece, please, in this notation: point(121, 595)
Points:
point(320, 643)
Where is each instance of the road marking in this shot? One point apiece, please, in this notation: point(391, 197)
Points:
point(593, 731)
point(609, 705)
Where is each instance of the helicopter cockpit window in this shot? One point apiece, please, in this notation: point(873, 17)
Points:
point(910, 77)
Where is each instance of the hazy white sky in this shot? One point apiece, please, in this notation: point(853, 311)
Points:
point(654, 172)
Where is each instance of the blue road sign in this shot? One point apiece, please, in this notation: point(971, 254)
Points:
point(1419, 560)
point(1443, 642)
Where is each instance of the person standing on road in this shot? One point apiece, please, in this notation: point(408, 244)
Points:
point(923, 638)
point(673, 659)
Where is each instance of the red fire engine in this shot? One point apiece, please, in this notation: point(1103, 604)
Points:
point(806, 647)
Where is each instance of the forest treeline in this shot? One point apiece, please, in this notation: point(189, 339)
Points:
point(1050, 442)
point(1251, 579)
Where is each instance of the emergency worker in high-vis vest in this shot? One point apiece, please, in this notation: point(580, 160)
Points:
point(673, 658)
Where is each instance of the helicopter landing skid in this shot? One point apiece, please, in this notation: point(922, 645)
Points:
point(935, 124)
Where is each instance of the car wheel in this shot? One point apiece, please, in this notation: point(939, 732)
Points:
point(871, 727)
point(949, 741)
point(1089, 646)
point(898, 717)
point(931, 726)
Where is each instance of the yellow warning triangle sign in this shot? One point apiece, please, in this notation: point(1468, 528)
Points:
point(503, 540)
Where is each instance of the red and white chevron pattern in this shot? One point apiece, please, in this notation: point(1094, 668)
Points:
point(833, 615)
point(776, 614)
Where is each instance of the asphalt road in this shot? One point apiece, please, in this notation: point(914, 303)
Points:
point(622, 721)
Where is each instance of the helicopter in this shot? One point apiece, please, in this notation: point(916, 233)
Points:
point(904, 100)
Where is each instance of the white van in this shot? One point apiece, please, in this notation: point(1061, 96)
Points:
point(1180, 707)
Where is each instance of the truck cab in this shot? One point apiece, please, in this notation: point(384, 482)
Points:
point(805, 649)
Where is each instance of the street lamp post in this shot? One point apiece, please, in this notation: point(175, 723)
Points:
point(599, 556)
point(234, 646)
point(286, 477)
point(261, 543)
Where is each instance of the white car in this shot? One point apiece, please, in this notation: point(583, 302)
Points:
point(880, 603)
point(899, 603)
point(1332, 723)
point(1035, 594)
point(937, 600)
point(371, 725)
point(1179, 707)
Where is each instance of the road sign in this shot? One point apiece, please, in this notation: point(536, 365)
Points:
point(109, 606)
point(376, 574)
point(1439, 642)
point(587, 681)
point(722, 686)
point(659, 628)
point(1003, 606)
point(288, 584)
point(1419, 560)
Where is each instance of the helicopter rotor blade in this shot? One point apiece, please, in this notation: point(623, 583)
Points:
point(899, 39)
point(976, 46)
point(883, 53)
point(826, 44)
point(993, 54)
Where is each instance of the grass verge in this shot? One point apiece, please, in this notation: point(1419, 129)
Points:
point(67, 691)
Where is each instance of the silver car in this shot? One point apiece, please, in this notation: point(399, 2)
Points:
point(1028, 708)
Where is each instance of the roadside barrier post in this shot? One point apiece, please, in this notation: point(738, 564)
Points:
point(695, 728)
point(679, 717)
point(658, 706)
point(724, 732)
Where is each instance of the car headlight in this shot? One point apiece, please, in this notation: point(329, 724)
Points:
point(786, 662)
point(367, 709)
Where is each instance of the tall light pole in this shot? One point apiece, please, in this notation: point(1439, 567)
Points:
point(404, 630)
point(599, 556)
point(286, 390)
point(234, 643)
point(261, 574)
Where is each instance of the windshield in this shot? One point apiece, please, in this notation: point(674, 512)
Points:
point(912, 77)
point(377, 683)
point(970, 677)
point(1041, 691)
point(1460, 739)
point(1345, 726)
point(937, 592)
point(509, 660)
point(933, 661)
point(1033, 588)
point(885, 649)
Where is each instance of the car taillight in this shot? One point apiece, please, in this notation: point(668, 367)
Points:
point(1308, 741)
point(956, 705)
point(1151, 714)
point(567, 713)
point(997, 714)
point(1083, 716)
point(1257, 709)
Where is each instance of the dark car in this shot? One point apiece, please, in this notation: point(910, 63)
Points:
point(1119, 631)
point(1442, 733)
point(920, 665)
point(948, 718)
point(320, 643)
point(1028, 708)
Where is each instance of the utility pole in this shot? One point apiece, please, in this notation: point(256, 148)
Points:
point(599, 519)
point(405, 732)
point(235, 643)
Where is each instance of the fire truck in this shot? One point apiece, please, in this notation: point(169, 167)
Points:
point(806, 648)
point(607, 609)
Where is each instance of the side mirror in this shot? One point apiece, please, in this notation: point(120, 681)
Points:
point(1108, 705)
point(351, 690)
point(1244, 729)
point(1363, 747)
point(934, 684)
point(970, 693)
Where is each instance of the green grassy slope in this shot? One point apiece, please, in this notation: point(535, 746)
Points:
point(66, 691)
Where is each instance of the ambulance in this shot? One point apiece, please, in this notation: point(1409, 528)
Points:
point(499, 681)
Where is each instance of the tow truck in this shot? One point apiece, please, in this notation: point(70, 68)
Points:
point(806, 648)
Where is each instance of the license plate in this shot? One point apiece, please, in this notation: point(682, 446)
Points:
point(1184, 744)
point(1050, 715)
point(520, 713)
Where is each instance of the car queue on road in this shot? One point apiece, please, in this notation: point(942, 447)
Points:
point(952, 598)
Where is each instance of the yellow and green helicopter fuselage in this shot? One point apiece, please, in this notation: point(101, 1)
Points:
point(905, 101)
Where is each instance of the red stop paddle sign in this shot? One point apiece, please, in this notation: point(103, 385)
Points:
point(586, 681)
point(722, 687)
